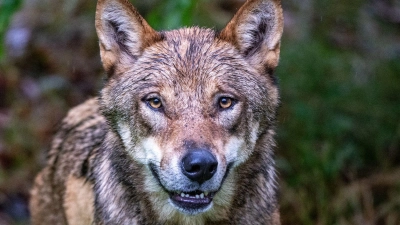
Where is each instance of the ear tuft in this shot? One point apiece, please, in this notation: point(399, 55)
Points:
point(122, 32)
point(256, 30)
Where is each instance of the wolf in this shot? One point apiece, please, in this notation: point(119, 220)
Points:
point(181, 133)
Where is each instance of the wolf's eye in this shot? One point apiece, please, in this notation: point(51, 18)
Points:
point(154, 103)
point(225, 102)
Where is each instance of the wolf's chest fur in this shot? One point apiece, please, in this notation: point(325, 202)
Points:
point(182, 132)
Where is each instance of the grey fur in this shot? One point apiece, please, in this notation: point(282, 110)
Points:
point(125, 154)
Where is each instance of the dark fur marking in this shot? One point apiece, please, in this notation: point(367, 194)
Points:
point(258, 35)
point(234, 128)
point(111, 70)
point(155, 174)
point(121, 38)
point(228, 169)
point(162, 36)
point(255, 45)
point(270, 72)
point(85, 167)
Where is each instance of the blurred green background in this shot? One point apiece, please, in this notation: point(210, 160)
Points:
point(338, 151)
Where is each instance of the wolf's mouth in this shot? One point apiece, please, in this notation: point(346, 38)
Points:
point(186, 200)
point(192, 200)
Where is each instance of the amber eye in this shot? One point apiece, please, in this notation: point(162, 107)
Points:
point(154, 103)
point(225, 102)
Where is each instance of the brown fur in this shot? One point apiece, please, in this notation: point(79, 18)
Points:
point(78, 201)
point(115, 159)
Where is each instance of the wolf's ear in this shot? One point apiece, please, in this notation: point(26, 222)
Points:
point(256, 30)
point(122, 32)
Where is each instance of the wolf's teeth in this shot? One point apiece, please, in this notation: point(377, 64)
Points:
point(186, 195)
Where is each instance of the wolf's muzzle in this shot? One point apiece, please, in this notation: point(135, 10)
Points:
point(199, 165)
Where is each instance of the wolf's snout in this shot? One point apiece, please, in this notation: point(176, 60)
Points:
point(199, 165)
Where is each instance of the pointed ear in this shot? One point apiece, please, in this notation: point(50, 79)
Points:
point(122, 32)
point(256, 30)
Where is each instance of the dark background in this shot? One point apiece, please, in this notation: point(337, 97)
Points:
point(338, 151)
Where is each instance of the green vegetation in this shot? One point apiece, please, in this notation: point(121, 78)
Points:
point(337, 126)
point(7, 9)
point(183, 12)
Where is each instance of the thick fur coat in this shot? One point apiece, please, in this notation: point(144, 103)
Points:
point(182, 132)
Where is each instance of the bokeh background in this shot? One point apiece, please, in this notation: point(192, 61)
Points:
point(338, 151)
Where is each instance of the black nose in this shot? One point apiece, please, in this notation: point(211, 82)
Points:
point(199, 165)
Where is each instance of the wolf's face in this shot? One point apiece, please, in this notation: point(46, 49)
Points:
point(189, 105)
point(190, 113)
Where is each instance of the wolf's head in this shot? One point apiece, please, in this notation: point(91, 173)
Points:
point(191, 105)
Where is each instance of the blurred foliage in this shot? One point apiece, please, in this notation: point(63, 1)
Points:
point(339, 125)
point(183, 11)
point(335, 128)
point(339, 137)
point(7, 9)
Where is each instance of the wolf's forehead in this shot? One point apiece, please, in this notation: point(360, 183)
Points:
point(193, 53)
point(194, 35)
point(189, 42)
